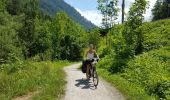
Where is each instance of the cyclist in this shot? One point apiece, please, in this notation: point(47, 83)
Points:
point(90, 54)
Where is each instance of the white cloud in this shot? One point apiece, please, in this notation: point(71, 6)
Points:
point(92, 15)
point(95, 16)
point(147, 15)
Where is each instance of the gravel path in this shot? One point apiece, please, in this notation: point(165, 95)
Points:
point(78, 88)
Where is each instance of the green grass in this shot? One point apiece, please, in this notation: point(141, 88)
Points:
point(146, 77)
point(129, 90)
point(48, 78)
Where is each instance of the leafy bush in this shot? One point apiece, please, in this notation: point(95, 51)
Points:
point(10, 52)
point(162, 89)
point(156, 34)
point(148, 70)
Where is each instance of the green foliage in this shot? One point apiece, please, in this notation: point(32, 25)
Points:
point(149, 71)
point(10, 52)
point(28, 33)
point(116, 52)
point(162, 89)
point(135, 18)
point(42, 43)
point(68, 38)
point(161, 10)
point(14, 7)
point(94, 37)
point(156, 34)
point(103, 49)
point(2, 5)
point(109, 11)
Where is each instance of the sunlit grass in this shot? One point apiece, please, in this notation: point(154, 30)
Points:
point(48, 78)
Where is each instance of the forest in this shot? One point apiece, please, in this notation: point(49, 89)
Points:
point(28, 36)
point(34, 48)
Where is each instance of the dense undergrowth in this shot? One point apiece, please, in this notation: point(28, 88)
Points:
point(146, 75)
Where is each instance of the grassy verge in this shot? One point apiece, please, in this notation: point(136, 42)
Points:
point(21, 78)
point(129, 90)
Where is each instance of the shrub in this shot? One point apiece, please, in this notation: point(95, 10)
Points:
point(148, 71)
point(156, 34)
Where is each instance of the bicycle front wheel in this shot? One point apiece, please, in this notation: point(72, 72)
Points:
point(95, 79)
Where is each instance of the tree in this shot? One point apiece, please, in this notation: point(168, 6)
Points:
point(2, 5)
point(14, 7)
point(161, 10)
point(27, 33)
point(135, 18)
point(94, 37)
point(9, 49)
point(109, 11)
point(68, 38)
point(123, 10)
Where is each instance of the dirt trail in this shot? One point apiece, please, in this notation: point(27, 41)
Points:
point(78, 88)
point(27, 96)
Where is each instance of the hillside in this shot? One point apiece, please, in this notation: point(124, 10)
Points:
point(146, 75)
point(53, 6)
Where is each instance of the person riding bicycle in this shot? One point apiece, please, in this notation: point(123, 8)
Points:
point(90, 54)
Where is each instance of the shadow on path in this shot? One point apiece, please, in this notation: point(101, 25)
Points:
point(84, 84)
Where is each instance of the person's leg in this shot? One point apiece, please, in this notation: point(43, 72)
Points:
point(87, 71)
point(84, 66)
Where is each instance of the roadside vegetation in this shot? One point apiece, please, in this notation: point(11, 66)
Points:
point(45, 78)
point(144, 76)
point(135, 55)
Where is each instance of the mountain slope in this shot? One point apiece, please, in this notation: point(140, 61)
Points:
point(53, 6)
point(146, 76)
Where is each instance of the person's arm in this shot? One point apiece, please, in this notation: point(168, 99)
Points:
point(96, 54)
point(86, 55)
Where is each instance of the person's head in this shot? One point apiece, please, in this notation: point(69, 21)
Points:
point(91, 46)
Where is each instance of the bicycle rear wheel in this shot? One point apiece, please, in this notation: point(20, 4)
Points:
point(88, 72)
point(88, 75)
point(95, 79)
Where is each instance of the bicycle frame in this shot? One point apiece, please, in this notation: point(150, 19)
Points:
point(93, 72)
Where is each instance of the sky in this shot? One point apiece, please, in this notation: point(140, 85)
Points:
point(88, 9)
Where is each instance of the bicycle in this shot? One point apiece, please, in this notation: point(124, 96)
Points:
point(93, 72)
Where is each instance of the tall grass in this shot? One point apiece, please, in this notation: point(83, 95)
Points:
point(23, 77)
point(130, 90)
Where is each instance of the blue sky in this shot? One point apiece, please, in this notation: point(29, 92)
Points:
point(88, 9)
point(83, 4)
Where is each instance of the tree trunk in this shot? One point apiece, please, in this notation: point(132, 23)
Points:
point(123, 12)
